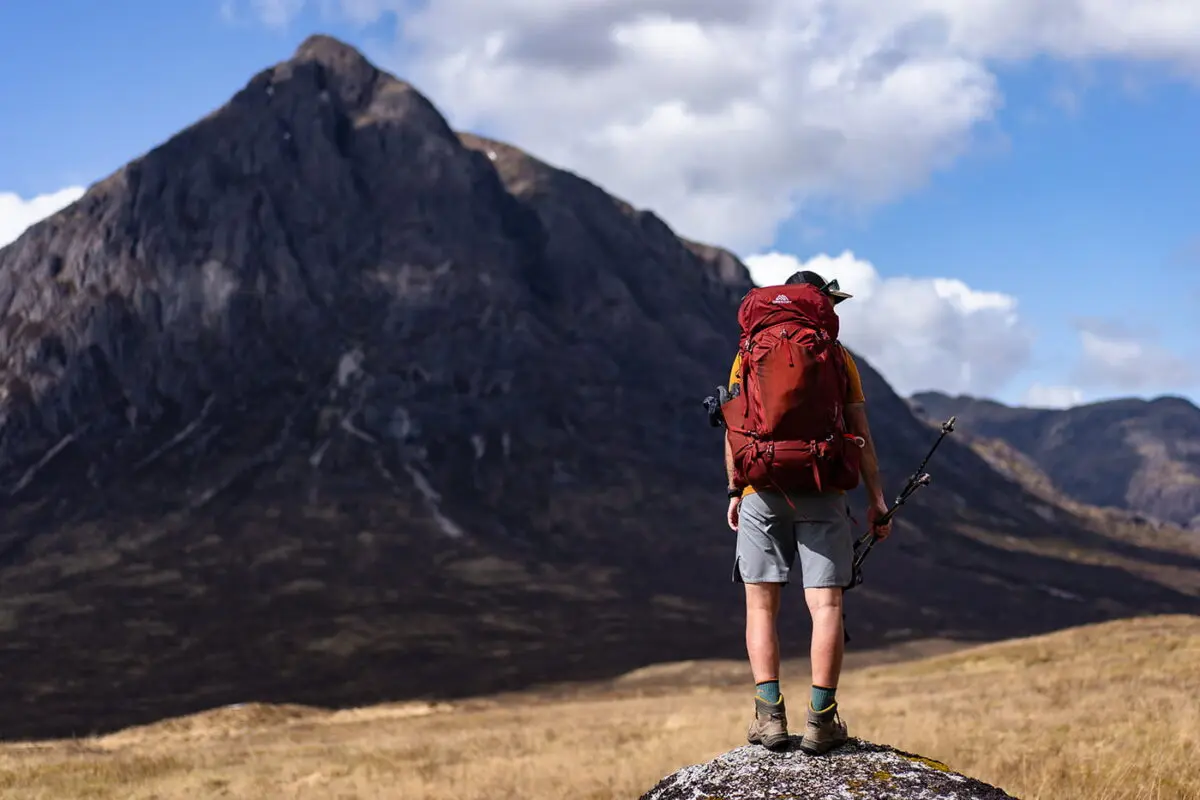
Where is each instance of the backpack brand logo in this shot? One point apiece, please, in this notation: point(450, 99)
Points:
point(782, 299)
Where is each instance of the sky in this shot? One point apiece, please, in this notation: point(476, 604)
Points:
point(1007, 188)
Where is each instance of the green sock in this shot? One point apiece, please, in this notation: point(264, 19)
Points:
point(768, 691)
point(822, 697)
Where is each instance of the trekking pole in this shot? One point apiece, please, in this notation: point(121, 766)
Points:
point(862, 547)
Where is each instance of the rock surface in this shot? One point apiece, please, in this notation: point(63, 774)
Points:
point(323, 402)
point(858, 770)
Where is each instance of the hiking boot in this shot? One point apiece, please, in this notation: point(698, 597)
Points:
point(824, 731)
point(769, 727)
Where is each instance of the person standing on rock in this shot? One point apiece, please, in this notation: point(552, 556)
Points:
point(797, 439)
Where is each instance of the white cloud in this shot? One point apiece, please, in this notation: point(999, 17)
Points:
point(1115, 358)
point(1042, 396)
point(921, 333)
point(17, 213)
point(727, 118)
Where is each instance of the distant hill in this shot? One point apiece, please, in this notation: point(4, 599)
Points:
point(321, 401)
point(1142, 456)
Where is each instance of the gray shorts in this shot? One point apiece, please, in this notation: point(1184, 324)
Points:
point(770, 533)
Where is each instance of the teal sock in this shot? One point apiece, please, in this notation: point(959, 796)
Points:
point(822, 697)
point(768, 691)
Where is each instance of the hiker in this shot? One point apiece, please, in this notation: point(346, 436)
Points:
point(797, 384)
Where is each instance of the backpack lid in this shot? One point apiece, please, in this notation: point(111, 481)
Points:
point(803, 303)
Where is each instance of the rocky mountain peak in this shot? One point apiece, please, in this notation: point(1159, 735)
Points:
point(334, 54)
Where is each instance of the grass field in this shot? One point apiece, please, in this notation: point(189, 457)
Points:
point(1108, 712)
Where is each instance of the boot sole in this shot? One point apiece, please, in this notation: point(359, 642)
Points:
point(820, 749)
point(776, 743)
point(771, 743)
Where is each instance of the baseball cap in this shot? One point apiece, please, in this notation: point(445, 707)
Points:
point(830, 288)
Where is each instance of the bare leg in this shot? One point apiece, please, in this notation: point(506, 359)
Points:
point(762, 638)
point(828, 643)
point(824, 729)
point(769, 727)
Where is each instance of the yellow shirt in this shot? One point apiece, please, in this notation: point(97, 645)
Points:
point(854, 393)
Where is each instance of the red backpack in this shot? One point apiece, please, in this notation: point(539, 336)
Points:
point(786, 426)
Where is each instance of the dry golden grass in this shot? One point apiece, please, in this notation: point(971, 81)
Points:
point(1110, 712)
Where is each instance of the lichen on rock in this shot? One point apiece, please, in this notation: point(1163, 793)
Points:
point(859, 770)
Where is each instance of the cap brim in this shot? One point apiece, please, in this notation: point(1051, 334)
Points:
point(840, 295)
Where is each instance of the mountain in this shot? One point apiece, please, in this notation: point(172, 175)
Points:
point(320, 401)
point(1137, 455)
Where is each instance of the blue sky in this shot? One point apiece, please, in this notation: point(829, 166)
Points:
point(1077, 196)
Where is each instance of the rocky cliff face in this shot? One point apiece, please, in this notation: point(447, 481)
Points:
point(321, 401)
point(859, 770)
point(1140, 456)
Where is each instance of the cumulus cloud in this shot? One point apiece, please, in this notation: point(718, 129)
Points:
point(727, 118)
point(17, 213)
point(921, 333)
point(1042, 396)
point(1114, 357)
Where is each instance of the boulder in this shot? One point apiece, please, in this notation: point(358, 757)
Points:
point(859, 770)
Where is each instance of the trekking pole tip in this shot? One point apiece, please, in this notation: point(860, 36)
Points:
point(948, 425)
